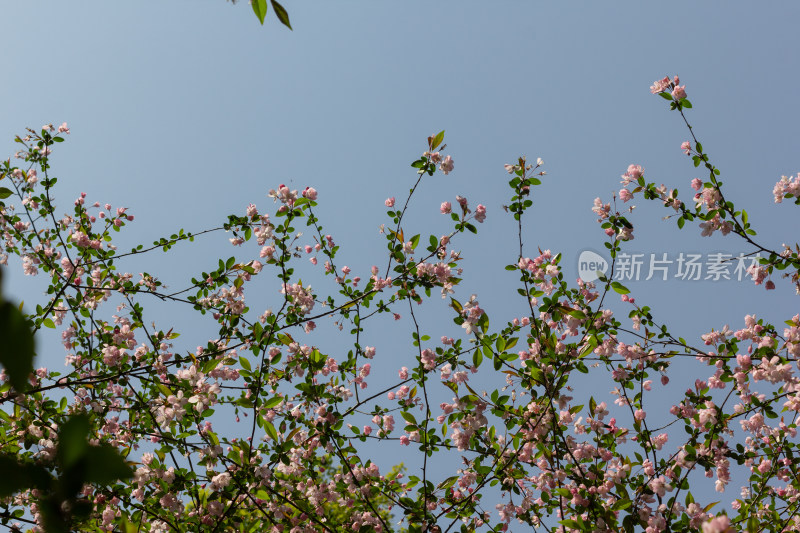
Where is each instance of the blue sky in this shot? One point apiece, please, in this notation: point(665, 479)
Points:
point(186, 111)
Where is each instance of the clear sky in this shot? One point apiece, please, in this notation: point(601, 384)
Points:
point(188, 110)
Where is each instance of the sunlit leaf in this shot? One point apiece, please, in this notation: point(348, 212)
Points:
point(260, 9)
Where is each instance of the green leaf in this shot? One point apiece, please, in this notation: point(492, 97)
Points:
point(408, 417)
point(106, 465)
point(270, 429)
point(710, 506)
point(72, 440)
point(621, 504)
point(128, 527)
point(272, 402)
point(260, 9)
point(619, 287)
point(447, 483)
point(500, 344)
point(577, 313)
point(437, 140)
point(281, 13)
point(4, 193)
point(18, 476)
point(247, 403)
point(16, 345)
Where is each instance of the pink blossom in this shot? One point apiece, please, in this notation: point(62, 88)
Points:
point(625, 195)
point(686, 146)
point(697, 184)
point(659, 86)
point(601, 210)
point(679, 93)
point(446, 208)
point(786, 187)
point(428, 359)
point(389, 202)
point(220, 481)
point(634, 173)
point(310, 193)
point(718, 524)
point(480, 213)
point(625, 234)
point(446, 166)
point(63, 128)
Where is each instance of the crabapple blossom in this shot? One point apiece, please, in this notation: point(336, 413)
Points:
point(446, 166)
point(512, 401)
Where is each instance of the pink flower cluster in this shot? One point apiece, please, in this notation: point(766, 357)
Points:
point(678, 92)
point(787, 188)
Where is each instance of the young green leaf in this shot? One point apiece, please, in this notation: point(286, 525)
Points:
point(260, 9)
point(437, 140)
